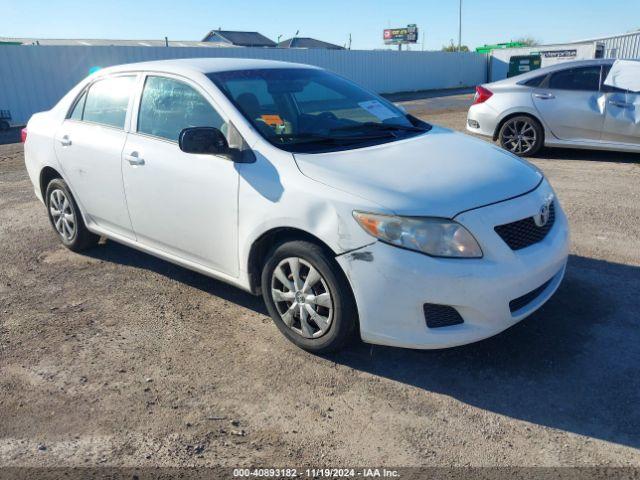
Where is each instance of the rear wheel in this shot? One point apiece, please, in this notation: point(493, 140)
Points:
point(522, 135)
point(65, 217)
point(308, 297)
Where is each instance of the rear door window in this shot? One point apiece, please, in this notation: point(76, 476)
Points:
point(579, 79)
point(169, 106)
point(107, 101)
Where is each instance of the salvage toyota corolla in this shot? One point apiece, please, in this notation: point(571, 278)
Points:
point(343, 211)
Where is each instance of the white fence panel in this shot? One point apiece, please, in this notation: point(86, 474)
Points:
point(622, 46)
point(34, 78)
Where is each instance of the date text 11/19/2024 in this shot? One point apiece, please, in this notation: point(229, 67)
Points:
point(316, 473)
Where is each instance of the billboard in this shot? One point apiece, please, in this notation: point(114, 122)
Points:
point(396, 36)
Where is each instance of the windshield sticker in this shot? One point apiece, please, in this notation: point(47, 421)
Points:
point(377, 109)
point(272, 120)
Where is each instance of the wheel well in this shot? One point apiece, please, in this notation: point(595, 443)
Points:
point(46, 175)
point(519, 114)
point(263, 245)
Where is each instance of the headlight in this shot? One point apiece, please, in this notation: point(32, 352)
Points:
point(434, 236)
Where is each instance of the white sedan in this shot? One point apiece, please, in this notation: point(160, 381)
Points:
point(591, 104)
point(346, 214)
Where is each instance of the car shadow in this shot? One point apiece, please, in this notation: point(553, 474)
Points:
point(549, 153)
point(574, 365)
point(113, 252)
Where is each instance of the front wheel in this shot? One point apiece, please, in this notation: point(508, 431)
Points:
point(522, 135)
point(308, 297)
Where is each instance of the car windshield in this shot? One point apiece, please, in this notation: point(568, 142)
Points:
point(311, 110)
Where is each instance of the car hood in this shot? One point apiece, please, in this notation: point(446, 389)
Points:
point(440, 173)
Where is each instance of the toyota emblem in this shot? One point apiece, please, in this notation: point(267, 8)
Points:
point(542, 218)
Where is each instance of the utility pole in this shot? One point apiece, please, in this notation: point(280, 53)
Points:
point(460, 28)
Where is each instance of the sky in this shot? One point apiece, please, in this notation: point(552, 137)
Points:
point(483, 21)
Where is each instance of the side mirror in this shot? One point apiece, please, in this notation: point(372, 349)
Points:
point(204, 140)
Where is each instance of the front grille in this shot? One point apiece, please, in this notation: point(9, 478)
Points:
point(525, 232)
point(527, 298)
point(438, 316)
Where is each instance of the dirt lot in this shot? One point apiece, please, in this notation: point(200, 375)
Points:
point(117, 358)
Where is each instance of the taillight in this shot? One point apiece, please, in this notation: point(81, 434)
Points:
point(482, 95)
point(23, 135)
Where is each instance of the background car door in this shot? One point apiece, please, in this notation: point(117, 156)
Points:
point(571, 104)
point(622, 115)
point(89, 146)
point(180, 203)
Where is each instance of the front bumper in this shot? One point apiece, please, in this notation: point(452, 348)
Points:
point(391, 285)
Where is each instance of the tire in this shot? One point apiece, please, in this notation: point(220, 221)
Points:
point(291, 306)
point(522, 135)
point(66, 219)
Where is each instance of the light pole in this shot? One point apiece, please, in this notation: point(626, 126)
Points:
point(460, 28)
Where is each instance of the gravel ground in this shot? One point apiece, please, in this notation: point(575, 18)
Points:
point(114, 358)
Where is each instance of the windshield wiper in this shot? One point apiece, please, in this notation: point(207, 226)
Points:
point(378, 126)
point(331, 139)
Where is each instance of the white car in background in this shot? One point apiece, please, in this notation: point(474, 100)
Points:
point(585, 104)
point(287, 180)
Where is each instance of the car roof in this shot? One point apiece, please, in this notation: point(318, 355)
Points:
point(553, 68)
point(202, 65)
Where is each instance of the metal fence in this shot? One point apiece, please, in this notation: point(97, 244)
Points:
point(34, 78)
point(622, 46)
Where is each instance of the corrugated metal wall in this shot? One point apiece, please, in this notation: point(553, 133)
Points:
point(500, 58)
point(34, 78)
point(622, 46)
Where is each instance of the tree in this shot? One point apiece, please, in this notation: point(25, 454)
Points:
point(528, 41)
point(452, 47)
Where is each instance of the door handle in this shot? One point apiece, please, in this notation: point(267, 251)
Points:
point(619, 104)
point(134, 159)
point(65, 141)
point(544, 96)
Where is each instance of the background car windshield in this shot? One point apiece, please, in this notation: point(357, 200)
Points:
point(296, 107)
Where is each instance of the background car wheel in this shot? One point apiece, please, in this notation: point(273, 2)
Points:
point(522, 135)
point(308, 297)
point(65, 217)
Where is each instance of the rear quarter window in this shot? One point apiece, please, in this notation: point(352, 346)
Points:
point(535, 81)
